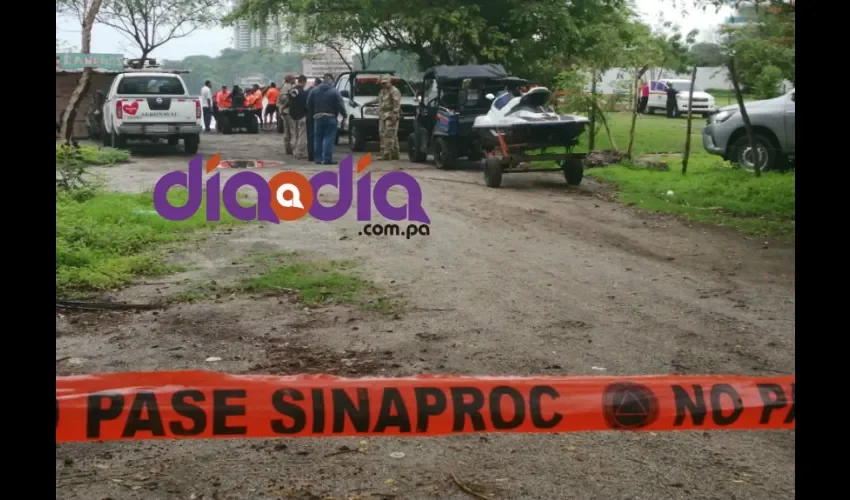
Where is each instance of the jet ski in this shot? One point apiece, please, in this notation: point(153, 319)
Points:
point(526, 121)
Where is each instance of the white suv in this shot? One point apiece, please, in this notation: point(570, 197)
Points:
point(703, 102)
point(359, 90)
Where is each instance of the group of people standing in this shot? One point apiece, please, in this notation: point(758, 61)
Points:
point(309, 115)
point(644, 99)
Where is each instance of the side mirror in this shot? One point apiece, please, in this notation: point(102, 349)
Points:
point(793, 97)
point(490, 97)
point(345, 93)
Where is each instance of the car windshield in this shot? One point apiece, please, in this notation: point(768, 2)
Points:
point(370, 86)
point(151, 85)
point(684, 86)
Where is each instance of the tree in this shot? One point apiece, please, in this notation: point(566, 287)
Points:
point(229, 66)
point(86, 11)
point(338, 32)
point(527, 36)
point(707, 54)
point(764, 49)
point(149, 24)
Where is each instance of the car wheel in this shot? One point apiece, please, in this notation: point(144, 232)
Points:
point(191, 143)
point(118, 141)
point(742, 154)
point(226, 126)
point(414, 154)
point(253, 125)
point(493, 172)
point(356, 138)
point(573, 171)
point(445, 153)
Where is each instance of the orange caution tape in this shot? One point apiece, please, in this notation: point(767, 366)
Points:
point(198, 404)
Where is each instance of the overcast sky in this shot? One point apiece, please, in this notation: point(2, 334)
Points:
point(212, 41)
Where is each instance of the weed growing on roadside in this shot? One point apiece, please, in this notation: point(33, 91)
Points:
point(108, 239)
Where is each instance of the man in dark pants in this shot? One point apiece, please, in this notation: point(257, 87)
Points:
point(671, 101)
point(325, 104)
point(316, 83)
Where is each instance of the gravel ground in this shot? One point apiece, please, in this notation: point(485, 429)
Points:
point(533, 278)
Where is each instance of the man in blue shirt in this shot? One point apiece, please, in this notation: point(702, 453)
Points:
point(324, 104)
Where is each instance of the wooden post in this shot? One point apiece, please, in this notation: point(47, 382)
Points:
point(744, 116)
point(591, 143)
point(687, 152)
point(637, 89)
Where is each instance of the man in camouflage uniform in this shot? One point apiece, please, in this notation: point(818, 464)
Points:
point(298, 114)
point(283, 111)
point(389, 110)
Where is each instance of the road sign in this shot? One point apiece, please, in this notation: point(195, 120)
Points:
point(71, 60)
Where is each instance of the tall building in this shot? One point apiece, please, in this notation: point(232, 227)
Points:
point(272, 36)
point(242, 39)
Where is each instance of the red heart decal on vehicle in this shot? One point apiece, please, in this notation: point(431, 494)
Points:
point(131, 109)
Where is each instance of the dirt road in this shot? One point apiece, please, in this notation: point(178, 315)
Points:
point(532, 278)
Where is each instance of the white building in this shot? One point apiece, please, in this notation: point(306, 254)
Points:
point(273, 36)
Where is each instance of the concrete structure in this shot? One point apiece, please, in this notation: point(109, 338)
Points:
point(66, 82)
point(326, 61)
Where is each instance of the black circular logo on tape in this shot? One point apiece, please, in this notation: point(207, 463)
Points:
point(629, 406)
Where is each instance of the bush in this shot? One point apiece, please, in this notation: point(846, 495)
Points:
point(767, 82)
point(71, 164)
point(90, 155)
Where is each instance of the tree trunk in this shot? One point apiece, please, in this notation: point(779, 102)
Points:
point(591, 143)
point(70, 113)
point(733, 75)
point(687, 152)
point(637, 98)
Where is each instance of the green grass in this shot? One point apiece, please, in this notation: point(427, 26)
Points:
point(724, 97)
point(109, 240)
point(317, 283)
point(712, 191)
point(91, 155)
point(653, 133)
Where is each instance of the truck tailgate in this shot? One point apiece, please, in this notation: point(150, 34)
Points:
point(157, 109)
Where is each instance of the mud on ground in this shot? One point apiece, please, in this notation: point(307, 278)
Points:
point(533, 278)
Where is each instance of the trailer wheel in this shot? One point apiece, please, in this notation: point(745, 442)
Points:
point(493, 172)
point(414, 154)
point(445, 153)
point(573, 171)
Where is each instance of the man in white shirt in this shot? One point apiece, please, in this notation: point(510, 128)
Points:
point(206, 102)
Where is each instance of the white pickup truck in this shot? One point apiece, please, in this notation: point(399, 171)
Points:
point(151, 105)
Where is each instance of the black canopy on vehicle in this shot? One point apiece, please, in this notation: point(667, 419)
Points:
point(454, 73)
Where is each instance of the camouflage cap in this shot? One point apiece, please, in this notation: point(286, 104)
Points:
point(385, 78)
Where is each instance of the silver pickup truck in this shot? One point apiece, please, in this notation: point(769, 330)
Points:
point(773, 124)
